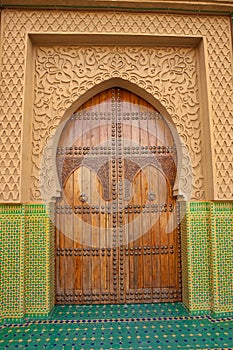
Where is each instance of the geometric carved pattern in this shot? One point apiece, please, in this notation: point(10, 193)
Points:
point(216, 30)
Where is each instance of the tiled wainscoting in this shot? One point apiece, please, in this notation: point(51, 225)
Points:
point(207, 256)
point(27, 259)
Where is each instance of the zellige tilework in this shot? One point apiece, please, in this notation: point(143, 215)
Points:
point(38, 260)
point(27, 259)
point(27, 273)
point(195, 238)
point(12, 260)
point(222, 257)
point(134, 326)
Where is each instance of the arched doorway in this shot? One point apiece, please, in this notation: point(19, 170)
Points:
point(117, 239)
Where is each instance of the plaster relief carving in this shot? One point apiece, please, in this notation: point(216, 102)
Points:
point(63, 74)
point(16, 24)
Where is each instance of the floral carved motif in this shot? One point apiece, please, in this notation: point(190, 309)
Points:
point(63, 74)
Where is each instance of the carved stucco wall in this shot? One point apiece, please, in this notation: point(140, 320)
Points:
point(16, 24)
point(63, 74)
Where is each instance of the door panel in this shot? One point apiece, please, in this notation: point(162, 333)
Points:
point(117, 165)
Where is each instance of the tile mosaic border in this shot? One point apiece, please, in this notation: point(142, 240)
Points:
point(117, 320)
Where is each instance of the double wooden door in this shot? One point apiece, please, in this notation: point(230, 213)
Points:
point(117, 239)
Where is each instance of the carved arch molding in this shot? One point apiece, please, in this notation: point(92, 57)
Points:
point(63, 74)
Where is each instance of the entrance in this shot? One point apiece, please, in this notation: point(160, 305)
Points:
point(117, 239)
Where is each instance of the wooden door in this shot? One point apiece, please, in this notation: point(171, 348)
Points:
point(117, 239)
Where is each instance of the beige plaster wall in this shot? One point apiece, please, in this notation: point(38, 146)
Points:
point(181, 63)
